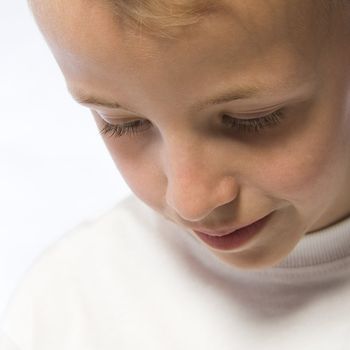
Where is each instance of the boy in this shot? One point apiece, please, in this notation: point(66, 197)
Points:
point(230, 122)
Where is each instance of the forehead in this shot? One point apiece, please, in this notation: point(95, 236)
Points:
point(68, 21)
point(92, 48)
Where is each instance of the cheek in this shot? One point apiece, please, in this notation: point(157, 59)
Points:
point(142, 174)
point(296, 176)
point(145, 180)
point(306, 172)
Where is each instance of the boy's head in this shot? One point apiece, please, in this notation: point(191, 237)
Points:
point(218, 113)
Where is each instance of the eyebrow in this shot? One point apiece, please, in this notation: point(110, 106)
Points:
point(228, 96)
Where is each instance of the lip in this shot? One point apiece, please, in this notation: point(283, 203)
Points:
point(236, 238)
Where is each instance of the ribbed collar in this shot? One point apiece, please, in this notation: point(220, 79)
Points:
point(321, 247)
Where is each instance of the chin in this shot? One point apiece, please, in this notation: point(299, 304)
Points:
point(249, 260)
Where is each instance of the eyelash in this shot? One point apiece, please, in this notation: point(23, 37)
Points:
point(130, 128)
point(255, 125)
point(245, 126)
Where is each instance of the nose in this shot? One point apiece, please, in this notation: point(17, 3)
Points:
point(197, 183)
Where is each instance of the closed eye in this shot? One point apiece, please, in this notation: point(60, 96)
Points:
point(244, 126)
point(255, 125)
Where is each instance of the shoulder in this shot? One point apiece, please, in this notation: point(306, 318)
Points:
point(96, 236)
point(77, 268)
point(90, 242)
point(6, 343)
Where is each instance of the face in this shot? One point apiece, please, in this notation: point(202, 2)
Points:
point(205, 162)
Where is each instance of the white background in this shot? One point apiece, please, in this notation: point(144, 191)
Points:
point(54, 168)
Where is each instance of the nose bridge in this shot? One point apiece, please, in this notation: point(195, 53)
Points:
point(197, 181)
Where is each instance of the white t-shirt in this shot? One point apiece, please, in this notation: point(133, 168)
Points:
point(133, 280)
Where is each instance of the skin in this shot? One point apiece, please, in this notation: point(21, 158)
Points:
point(187, 164)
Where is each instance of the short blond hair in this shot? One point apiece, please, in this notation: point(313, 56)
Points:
point(162, 17)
